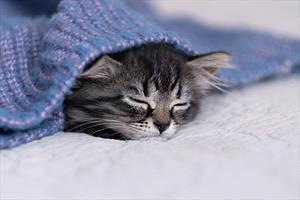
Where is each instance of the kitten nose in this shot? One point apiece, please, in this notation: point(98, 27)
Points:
point(161, 126)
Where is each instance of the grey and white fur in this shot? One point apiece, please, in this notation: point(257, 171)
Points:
point(147, 91)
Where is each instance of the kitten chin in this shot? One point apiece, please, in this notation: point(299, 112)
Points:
point(142, 92)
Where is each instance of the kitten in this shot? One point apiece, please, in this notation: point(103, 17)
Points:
point(142, 92)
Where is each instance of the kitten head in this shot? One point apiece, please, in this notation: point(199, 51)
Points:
point(143, 92)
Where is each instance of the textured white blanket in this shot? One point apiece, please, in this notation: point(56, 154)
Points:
point(244, 145)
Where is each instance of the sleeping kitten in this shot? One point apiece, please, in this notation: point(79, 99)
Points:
point(142, 92)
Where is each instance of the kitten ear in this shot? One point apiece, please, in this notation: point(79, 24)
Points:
point(105, 67)
point(210, 62)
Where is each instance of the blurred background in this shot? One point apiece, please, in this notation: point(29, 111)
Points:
point(277, 16)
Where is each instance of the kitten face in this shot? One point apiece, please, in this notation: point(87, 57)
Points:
point(145, 92)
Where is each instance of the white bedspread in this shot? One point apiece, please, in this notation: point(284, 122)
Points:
point(244, 145)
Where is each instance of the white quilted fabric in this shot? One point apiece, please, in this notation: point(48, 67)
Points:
point(244, 145)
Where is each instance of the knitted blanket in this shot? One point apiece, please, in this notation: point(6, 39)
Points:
point(40, 57)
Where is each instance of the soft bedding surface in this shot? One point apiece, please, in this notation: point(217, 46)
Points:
point(244, 145)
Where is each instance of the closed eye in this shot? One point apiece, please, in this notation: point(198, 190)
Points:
point(147, 108)
point(136, 102)
point(181, 104)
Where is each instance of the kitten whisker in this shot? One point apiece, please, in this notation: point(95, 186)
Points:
point(222, 84)
point(214, 85)
point(98, 123)
point(211, 76)
point(99, 130)
point(80, 125)
point(108, 128)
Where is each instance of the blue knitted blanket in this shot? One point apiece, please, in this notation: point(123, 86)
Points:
point(40, 57)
